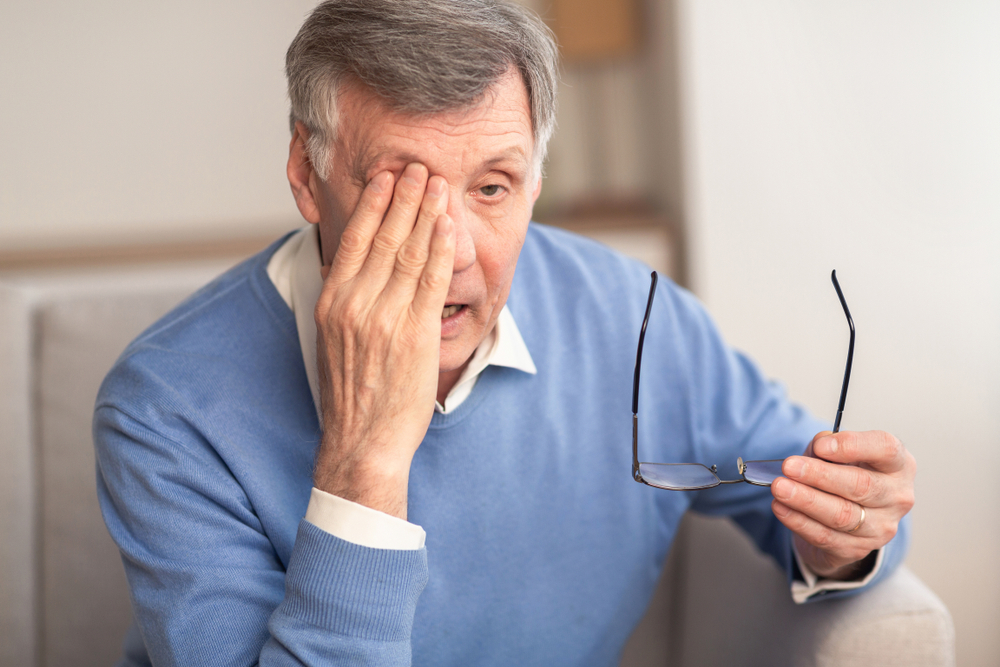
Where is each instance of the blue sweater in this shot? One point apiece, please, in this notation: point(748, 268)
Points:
point(541, 549)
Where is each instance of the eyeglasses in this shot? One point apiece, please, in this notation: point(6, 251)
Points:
point(693, 476)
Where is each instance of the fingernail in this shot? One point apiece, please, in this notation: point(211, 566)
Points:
point(443, 226)
point(783, 489)
point(412, 173)
point(793, 467)
point(381, 182)
point(435, 187)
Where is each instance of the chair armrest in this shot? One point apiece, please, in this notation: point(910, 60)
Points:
point(720, 602)
point(898, 622)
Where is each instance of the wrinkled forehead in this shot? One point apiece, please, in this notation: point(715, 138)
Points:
point(494, 132)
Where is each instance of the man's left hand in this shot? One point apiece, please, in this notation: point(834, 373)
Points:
point(821, 497)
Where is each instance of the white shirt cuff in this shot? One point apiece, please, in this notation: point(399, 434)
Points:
point(802, 591)
point(362, 525)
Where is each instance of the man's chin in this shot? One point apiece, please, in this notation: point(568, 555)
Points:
point(455, 355)
point(460, 340)
point(450, 364)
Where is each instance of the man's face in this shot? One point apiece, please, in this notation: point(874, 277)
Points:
point(485, 155)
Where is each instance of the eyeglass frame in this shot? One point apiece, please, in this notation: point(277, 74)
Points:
point(740, 464)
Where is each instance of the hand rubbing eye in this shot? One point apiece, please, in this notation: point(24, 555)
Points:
point(490, 190)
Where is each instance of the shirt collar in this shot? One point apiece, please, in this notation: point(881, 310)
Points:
point(295, 271)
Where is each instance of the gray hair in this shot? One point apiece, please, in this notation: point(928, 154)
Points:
point(419, 57)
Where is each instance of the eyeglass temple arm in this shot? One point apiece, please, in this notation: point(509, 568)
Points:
point(850, 353)
point(635, 382)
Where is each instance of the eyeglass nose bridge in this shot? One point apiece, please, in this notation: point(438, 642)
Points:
point(739, 466)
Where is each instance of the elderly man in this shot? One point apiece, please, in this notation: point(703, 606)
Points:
point(271, 453)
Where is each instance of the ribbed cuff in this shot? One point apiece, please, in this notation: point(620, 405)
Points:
point(352, 590)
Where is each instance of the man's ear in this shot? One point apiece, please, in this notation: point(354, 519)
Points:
point(302, 177)
point(538, 190)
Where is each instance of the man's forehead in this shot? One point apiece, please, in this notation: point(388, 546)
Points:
point(494, 131)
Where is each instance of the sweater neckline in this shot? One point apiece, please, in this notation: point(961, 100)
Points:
point(483, 388)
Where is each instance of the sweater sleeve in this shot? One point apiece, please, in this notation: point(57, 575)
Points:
point(207, 585)
point(736, 411)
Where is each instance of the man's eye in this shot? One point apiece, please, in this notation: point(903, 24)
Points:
point(491, 190)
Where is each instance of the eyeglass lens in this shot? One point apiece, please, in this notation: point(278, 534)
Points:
point(690, 476)
point(762, 472)
point(678, 476)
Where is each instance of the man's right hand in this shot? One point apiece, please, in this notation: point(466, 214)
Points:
point(378, 323)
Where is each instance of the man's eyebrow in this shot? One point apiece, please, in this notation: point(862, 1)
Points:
point(364, 161)
point(512, 153)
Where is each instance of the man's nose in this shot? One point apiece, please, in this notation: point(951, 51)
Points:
point(465, 247)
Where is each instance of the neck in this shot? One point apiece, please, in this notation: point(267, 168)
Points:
point(447, 381)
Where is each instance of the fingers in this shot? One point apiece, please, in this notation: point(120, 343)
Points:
point(812, 513)
point(846, 497)
point(412, 257)
point(859, 485)
point(880, 450)
point(407, 200)
point(397, 251)
point(832, 511)
point(838, 545)
point(356, 240)
point(436, 277)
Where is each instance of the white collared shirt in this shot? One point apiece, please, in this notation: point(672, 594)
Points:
point(295, 271)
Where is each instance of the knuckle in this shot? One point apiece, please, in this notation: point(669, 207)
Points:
point(864, 485)
point(351, 311)
point(430, 209)
point(382, 324)
point(410, 259)
point(408, 195)
point(385, 243)
point(807, 498)
point(849, 442)
point(845, 516)
point(433, 282)
point(891, 444)
point(352, 241)
point(823, 474)
point(823, 538)
point(795, 520)
point(372, 200)
point(890, 531)
point(322, 310)
point(908, 500)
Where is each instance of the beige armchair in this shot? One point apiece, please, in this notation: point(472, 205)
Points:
point(63, 596)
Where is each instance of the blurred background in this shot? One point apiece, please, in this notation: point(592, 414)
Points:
point(746, 148)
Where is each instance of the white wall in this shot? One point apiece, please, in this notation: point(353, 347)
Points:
point(139, 122)
point(864, 136)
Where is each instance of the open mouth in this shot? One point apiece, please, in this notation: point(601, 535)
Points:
point(448, 311)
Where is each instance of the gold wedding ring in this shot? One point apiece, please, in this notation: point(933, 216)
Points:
point(861, 521)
